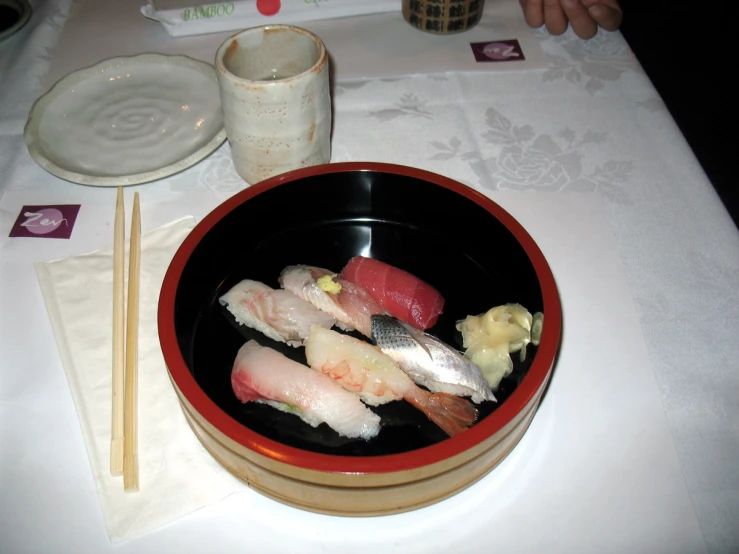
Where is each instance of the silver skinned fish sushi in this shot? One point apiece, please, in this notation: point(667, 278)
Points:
point(262, 374)
point(429, 361)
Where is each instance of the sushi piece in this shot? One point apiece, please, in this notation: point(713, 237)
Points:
point(349, 303)
point(362, 368)
point(401, 294)
point(278, 314)
point(428, 361)
point(261, 374)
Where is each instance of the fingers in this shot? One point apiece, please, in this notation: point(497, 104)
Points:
point(580, 18)
point(585, 16)
point(533, 11)
point(554, 17)
point(606, 13)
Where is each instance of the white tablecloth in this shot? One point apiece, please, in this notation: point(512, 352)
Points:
point(585, 154)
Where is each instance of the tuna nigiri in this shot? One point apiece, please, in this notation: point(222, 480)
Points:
point(401, 294)
point(349, 303)
point(362, 368)
point(429, 361)
point(278, 314)
point(261, 374)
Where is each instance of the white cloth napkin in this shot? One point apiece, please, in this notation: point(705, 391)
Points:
point(176, 474)
point(193, 18)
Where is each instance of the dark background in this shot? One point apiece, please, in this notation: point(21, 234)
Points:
point(688, 49)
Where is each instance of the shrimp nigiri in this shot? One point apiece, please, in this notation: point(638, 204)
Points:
point(278, 314)
point(363, 368)
point(349, 303)
point(261, 374)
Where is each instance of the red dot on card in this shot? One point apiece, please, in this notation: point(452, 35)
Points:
point(268, 7)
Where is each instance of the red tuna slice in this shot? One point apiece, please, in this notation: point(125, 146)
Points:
point(403, 295)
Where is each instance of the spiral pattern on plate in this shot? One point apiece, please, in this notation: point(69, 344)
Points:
point(131, 119)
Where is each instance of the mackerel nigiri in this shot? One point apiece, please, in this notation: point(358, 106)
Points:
point(261, 374)
point(278, 314)
point(400, 293)
point(349, 303)
point(362, 368)
point(429, 361)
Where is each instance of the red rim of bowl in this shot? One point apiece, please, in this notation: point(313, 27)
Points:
point(444, 450)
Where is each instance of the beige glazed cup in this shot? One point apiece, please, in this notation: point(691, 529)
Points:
point(273, 82)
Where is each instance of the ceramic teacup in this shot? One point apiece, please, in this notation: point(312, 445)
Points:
point(443, 16)
point(274, 87)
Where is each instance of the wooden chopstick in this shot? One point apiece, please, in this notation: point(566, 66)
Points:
point(116, 441)
point(130, 446)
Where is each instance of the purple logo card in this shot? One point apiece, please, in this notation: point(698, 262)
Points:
point(48, 222)
point(497, 51)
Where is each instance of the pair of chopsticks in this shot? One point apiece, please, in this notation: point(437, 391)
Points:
point(124, 439)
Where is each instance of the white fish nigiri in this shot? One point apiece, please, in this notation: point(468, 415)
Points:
point(349, 303)
point(362, 368)
point(262, 374)
point(279, 314)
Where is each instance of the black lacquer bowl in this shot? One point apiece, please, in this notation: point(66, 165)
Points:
point(447, 234)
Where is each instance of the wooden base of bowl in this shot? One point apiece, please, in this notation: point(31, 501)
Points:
point(360, 495)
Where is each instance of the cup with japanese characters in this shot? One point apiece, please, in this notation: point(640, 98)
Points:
point(443, 16)
point(274, 86)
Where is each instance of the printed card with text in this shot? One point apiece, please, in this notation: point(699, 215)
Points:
point(498, 51)
point(49, 222)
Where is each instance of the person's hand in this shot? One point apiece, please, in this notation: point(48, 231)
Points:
point(585, 16)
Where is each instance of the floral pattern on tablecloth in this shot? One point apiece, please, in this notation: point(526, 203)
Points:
point(409, 105)
point(524, 160)
point(589, 64)
point(216, 173)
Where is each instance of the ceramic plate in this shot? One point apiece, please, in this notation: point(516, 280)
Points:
point(14, 14)
point(447, 234)
point(127, 120)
